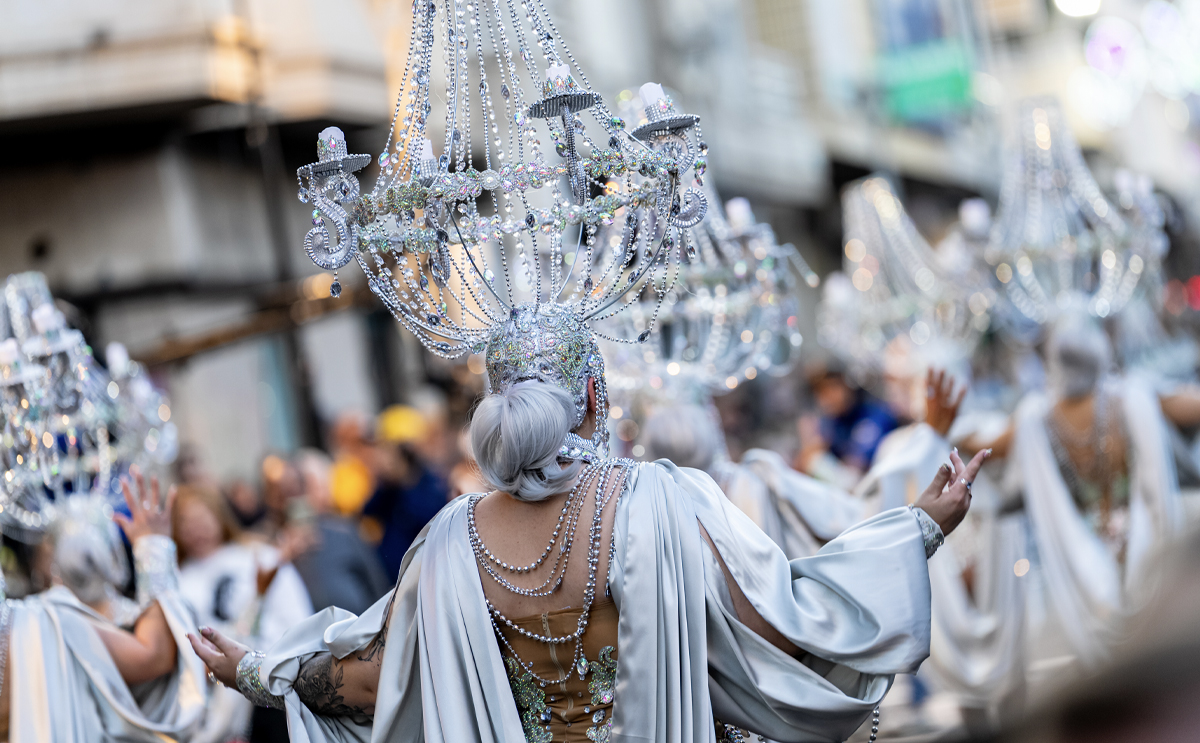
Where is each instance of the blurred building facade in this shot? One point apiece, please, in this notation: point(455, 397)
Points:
point(150, 149)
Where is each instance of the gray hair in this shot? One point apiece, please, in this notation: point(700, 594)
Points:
point(515, 436)
point(685, 434)
point(88, 554)
point(1079, 355)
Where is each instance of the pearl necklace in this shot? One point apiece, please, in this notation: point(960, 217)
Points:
point(571, 509)
point(599, 473)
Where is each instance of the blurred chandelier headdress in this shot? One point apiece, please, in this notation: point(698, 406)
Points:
point(894, 287)
point(731, 316)
point(68, 427)
point(1057, 242)
point(491, 247)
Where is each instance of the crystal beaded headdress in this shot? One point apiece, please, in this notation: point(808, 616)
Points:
point(472, 249)
point(1057, 242)
point(896, 293)
point(68, 426)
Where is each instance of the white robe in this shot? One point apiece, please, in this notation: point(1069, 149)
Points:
point(1085, 591)
point(799, 512)
point(65, 687)
point(859, 607)
point(976, 651)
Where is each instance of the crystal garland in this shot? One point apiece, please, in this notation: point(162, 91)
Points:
point(894, 289)
point(452, 242)
point(1058, 243)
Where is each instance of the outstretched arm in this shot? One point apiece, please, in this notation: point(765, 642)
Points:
point(330, 687)
point(146, 653)
point(149, 651)
point(946, 500)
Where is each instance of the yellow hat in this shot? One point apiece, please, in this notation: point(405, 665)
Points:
point(400, 424)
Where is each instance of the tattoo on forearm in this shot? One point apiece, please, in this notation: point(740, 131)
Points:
point(319, 686)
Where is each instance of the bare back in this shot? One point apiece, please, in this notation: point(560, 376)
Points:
point(517, 532)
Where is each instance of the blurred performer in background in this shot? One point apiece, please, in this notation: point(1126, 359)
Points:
point(797, 512)
point(978, 620)
point(681, 609)
point(83, 662)
point(1094, 463)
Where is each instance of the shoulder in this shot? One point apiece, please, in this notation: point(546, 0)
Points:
point(664, 479)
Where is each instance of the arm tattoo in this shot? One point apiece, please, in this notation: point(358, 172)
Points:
point(376, 647)
point(319, 686)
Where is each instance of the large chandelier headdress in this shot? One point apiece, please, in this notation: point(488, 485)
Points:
point(69, 427)
point(895, 290)
point(491, 246)
point(1057, 243)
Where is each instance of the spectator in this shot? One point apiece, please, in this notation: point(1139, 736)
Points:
point(340, 569)
point(246, 503)
point(353, 478)
point(409, 493)
point(849, 427)
point(281, 485)
point(246, 589)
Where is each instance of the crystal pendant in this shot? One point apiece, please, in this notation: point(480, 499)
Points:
point(644, 336)
point(582, 668)
point(335, 289)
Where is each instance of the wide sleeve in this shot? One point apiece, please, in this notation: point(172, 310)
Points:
point(858, 610)
point(334, 630)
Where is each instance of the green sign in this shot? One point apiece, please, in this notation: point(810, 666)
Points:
point(926, 82)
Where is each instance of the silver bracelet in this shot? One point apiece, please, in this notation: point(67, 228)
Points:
point(249, 681)
point(155, 567)
point(930, 531)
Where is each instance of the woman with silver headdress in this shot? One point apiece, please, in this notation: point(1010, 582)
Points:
point(84, 663)
point(584, 598)
point(1093, 463)
point(681, 609)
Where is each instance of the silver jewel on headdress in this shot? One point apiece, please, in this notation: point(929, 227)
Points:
point(505, 222)
point(549, 343)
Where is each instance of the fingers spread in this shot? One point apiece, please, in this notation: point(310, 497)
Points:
point(957, 463)
point(130, 500)
point(976, 462)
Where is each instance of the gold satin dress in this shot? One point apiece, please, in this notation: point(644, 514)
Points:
point(576, 709)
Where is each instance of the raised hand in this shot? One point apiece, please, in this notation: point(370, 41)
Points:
point(219, 653)
point(941, 404)
point(948, 505)
point(149, 513)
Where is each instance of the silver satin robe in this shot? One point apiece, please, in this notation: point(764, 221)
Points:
point(859, 609)
point(65, 687)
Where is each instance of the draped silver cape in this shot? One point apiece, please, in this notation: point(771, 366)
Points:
point(859, 609)
point(65, 687)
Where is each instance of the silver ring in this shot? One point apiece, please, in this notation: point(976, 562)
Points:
point(963, 480)
point(212, 677)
